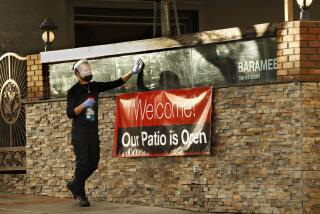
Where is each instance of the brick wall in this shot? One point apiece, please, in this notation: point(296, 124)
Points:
point(37, 79)
point(265, 156)
point(299, 51)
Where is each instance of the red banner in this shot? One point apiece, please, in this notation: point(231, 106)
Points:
point(163, 123)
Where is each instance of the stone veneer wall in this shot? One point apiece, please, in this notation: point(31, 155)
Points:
point(265, 156)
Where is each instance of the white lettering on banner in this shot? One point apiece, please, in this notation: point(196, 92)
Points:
point(128, 140)
point(193, 138)
point(160, 139)
point(156, 139)
point(257, 65)
point(158, 110)
point(160, 117)
point(173, 138)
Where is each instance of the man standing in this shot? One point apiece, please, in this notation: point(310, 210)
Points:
point(82, 108)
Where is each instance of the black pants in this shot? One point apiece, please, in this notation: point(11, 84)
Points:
point(86, 147)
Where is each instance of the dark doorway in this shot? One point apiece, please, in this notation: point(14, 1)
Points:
point(97, 26)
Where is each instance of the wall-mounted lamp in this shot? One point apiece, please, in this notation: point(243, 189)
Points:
point(48, 36)
point(304, 6)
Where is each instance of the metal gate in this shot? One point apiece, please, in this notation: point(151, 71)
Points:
point(13, 93)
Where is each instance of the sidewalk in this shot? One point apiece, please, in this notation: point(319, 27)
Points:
point(26, 204)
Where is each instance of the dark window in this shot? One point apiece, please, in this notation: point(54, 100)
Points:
point(96, 26)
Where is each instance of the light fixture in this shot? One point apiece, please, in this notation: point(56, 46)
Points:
point(48, 36)
point(304, 7)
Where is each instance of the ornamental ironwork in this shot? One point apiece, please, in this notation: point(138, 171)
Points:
point(13, 92)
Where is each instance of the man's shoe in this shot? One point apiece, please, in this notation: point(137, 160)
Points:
point(82, 201)
point(72, 188)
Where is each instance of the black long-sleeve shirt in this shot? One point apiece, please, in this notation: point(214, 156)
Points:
point(77, 95)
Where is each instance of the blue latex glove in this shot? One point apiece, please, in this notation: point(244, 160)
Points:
point(89, 103)
point(138, 66)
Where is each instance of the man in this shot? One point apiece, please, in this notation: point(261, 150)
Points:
point(82, 108)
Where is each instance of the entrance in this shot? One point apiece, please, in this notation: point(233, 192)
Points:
point(13, 92)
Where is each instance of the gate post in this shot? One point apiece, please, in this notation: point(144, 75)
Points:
point(37, 79)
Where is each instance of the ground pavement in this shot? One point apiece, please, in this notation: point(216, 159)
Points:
point(29, 204)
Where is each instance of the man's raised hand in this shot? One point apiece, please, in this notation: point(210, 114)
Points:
point(138, 66)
